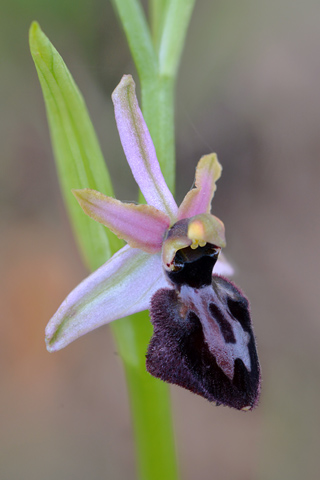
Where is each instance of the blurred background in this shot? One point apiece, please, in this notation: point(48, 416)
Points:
point(249, 90)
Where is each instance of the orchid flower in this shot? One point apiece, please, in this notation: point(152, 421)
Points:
point(203, 338)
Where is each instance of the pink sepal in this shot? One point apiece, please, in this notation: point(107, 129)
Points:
point(122, 286)
point(142, 226)
point(139, 149)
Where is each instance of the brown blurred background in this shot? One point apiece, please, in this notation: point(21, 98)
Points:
point(248, 89)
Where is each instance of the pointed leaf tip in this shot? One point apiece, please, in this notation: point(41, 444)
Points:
point(33, 28)
point(33, 31)
point(37, 39)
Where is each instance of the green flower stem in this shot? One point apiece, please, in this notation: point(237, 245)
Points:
point(134, 23)
point(149, 401)
point(173, 36)
point(157, 55)
point(158, 11)
point(149, 397)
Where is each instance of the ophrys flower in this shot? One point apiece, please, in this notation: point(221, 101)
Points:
point(203, 338)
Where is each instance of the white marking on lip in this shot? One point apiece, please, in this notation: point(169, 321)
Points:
point(198, 301)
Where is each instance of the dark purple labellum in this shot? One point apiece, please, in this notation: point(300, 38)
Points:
point(203, 340)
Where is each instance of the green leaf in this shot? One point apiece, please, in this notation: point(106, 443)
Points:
point(79, 160)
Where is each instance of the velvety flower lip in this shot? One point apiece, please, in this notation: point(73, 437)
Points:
point(126, 283)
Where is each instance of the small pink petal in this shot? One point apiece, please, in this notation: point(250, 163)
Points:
point(122, 286)
point(139, 149)
point(142, 226)
point(198, 200)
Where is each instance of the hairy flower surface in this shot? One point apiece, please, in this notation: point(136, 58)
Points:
point(202, 338)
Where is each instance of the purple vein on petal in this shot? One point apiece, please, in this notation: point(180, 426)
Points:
point(139, 149)
point(142, 226)
point(198, 200)
point(122, 286)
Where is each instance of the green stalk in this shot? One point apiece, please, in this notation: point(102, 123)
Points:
point(149, 397)
point(137, 31)
point(157, 14)
point(156, 55)
point(173, 36)
point(149, 401)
